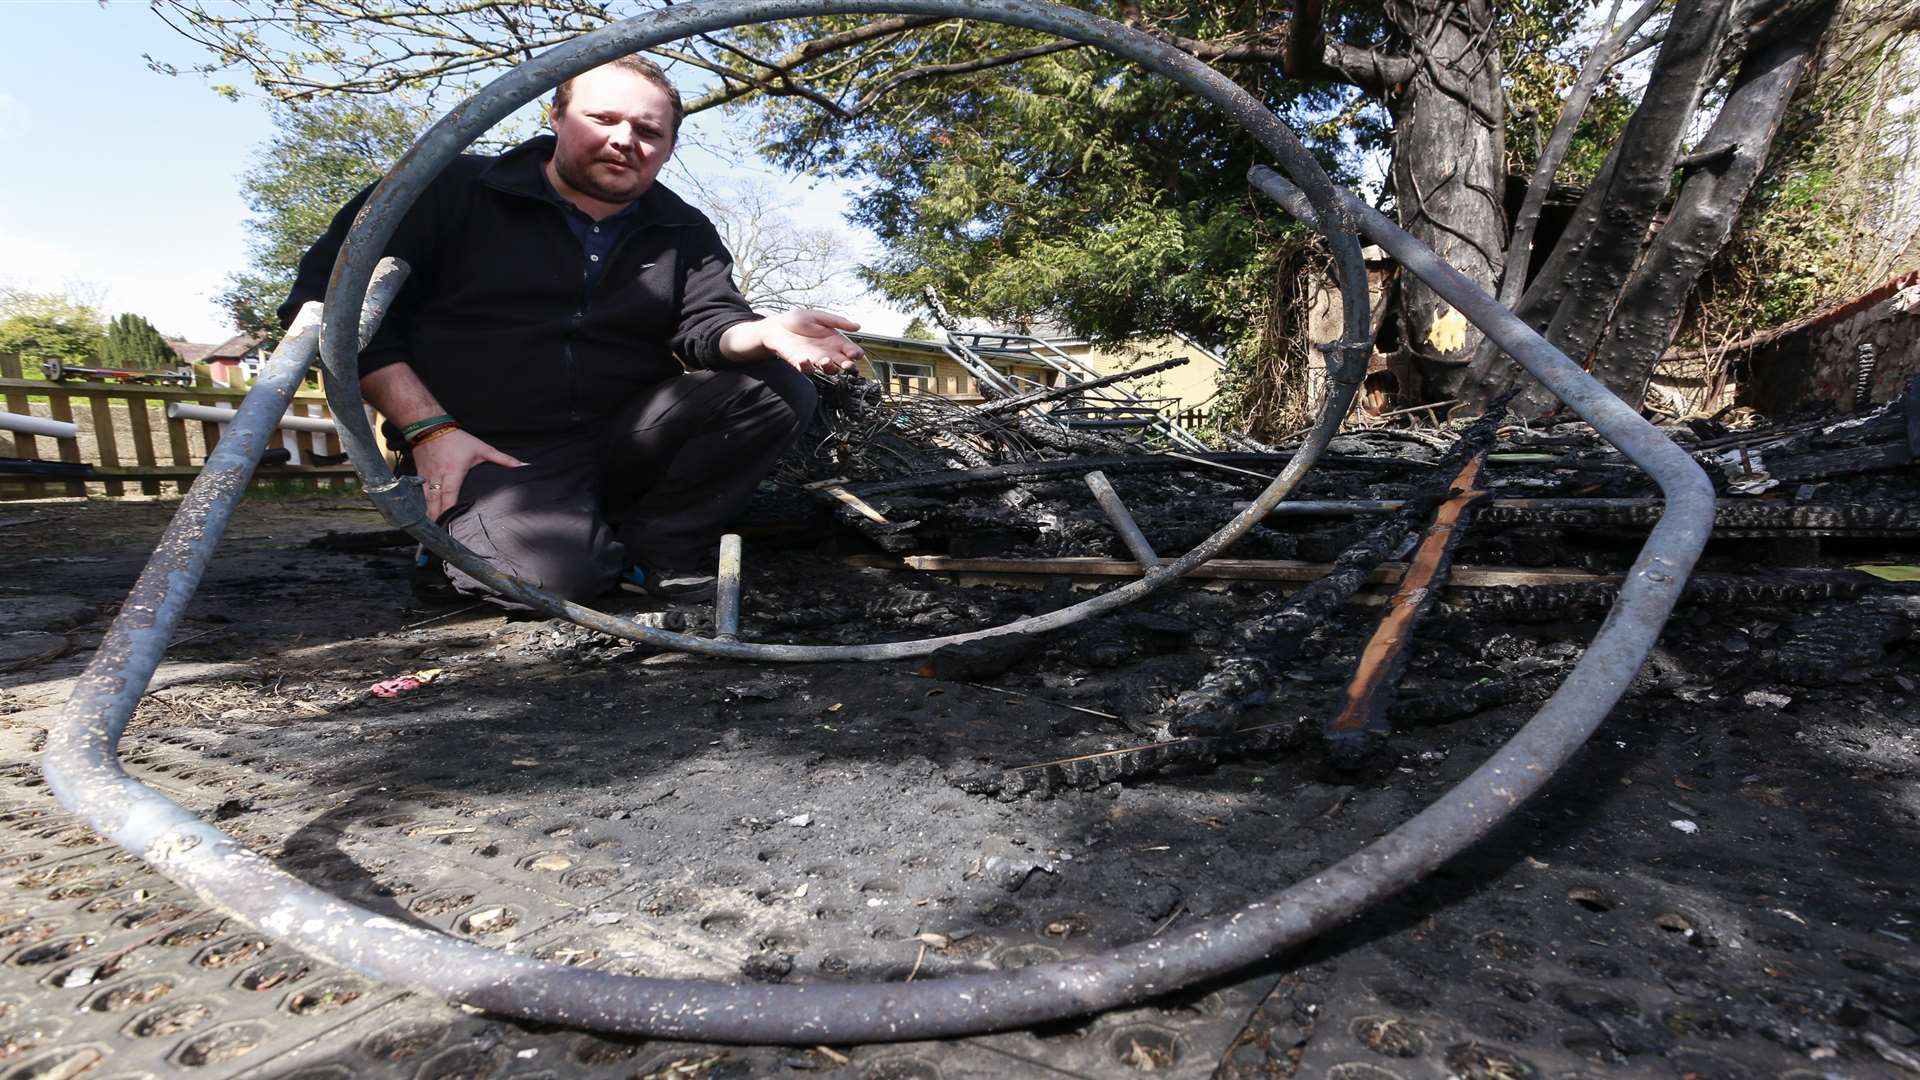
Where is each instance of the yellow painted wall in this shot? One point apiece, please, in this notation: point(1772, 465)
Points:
point(949, 378)
point(1193, 384)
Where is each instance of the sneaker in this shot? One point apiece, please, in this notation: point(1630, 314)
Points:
point(668, 584)
point(428, 578)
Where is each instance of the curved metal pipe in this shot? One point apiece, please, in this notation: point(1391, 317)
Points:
point(85, 775)
point(448, 137)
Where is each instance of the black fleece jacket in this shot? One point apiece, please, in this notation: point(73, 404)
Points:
point(495, 318)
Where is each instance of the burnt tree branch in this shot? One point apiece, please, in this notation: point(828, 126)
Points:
point(1520, 246)
point(1613, 221)
point(1704, 215)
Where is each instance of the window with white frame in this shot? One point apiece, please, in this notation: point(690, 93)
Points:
point(900, 375)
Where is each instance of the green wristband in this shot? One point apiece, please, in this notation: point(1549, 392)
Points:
point(422, 425)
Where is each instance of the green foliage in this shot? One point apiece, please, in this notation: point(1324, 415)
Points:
point(132, 343)
point(322, 155)
point(918, 330)
point(1078, 188)
point(1075, 187)
point(1833, 214)
point(49, 326)
point(1542, 49)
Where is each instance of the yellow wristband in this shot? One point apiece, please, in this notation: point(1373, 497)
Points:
point(448, 430)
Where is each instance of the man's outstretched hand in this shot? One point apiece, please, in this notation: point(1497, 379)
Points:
point(809, 340)
point(443, 464)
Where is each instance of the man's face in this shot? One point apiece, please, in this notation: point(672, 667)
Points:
point(614, 136)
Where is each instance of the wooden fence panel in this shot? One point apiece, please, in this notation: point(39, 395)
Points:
point(23, 445)
point(105, 439)
point(179, 444)
point(209, 431)
point(142, 425)
point(62, 410)
point(121, 439)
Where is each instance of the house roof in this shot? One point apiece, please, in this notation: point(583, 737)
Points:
point(897, 344)
point(234, 348)
point(189, 352)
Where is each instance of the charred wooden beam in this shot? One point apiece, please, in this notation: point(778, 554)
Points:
point(1361, 728)
point(1826, 646)
point(1875, 519)
point(1727, 514)
point(1049, 433)
point(1910, 410)
point(1113, 464)
point(370, 540)
point(1846, 462)
point(1280, 570)
point(1086, 772)
point(1532, 602)
point(1260, 646)
point(858, 504)
point(975, 660)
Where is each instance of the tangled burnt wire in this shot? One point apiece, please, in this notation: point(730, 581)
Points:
point(863, 433)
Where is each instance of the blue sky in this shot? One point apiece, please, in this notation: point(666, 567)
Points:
point(127, 181)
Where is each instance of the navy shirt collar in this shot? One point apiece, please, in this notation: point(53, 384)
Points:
point(597, 238)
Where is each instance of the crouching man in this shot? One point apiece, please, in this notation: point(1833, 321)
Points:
point(534, 358)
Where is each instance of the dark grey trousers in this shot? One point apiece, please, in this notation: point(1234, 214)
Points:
point(656, 483)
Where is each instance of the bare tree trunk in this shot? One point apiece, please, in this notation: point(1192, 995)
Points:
point(1724, 170)
point(1449, 170)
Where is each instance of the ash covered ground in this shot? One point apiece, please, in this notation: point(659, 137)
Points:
point(1720, 884)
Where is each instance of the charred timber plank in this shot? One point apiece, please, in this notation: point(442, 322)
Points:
point(1859, 459)
point(1283, 570)
point(1772, 516)
point(1524, 602)
point(1361, 727)
point(971, 661)
point(1260, 645)
point(1727, 514)
point(1086, 772)
point(1002, 475)
point(859, 504)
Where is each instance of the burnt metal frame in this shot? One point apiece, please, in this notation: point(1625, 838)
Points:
point(84, 772)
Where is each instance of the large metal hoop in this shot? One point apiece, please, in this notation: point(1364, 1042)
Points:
point(85, 774)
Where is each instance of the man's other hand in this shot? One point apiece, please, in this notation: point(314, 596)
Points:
point(443, 464)
point(809, 340)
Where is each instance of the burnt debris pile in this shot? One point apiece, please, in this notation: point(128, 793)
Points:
point(1420, 574)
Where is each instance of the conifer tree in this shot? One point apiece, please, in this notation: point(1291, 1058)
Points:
point(134, 344)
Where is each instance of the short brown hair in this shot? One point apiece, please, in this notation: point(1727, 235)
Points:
point(640, 66)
